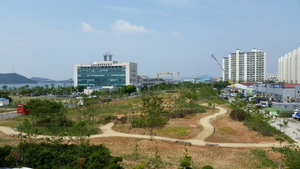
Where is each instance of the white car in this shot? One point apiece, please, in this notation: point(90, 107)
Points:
point(296, 115)
point(263, 105)
point(298, 109)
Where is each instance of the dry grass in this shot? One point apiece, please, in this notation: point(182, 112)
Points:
point(171, 153)
point(231, 131)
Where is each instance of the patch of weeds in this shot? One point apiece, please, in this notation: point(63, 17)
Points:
point(175, 131)
point(227, 130)
point(263, 158)
point(192, 115)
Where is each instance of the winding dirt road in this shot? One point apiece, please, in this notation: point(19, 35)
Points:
point(208, 130)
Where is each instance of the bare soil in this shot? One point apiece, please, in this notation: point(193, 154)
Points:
point(8, 140)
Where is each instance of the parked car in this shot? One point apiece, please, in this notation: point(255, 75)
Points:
point(263, 105)
point(297, 109)
point(296, 115)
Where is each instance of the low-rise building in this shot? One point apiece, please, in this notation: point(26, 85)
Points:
point(4, 101)
point(279, 91)
point(272, 77)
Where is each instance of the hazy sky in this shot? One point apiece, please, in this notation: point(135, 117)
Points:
point(46, 38)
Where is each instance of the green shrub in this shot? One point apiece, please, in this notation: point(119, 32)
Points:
point(239, 115)
point(285, 113)
point(260, 126)
point(207, 167)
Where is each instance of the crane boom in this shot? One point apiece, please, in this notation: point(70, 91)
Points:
point(217, 62)
point(222, 69)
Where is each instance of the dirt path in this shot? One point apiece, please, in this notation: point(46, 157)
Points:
point(207, 131)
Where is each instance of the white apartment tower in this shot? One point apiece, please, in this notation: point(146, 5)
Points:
point(288, 67)
point(245, 66)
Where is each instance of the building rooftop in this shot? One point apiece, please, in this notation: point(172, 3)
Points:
point(247, 84)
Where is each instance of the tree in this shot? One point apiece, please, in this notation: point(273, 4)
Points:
point(155, 162)
point(4, 151)
point(4, 87)
point(207, 93)
point(44, 109)
point(187, 99)
point(186, 160)
point(128, 89)
point(151, 113)
point(48, 115)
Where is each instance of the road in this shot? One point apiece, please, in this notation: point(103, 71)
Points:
point(291, 131)
point(8, 115)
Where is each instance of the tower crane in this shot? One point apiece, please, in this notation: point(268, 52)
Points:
point(234, 89)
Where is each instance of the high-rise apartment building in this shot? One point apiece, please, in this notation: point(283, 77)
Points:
point(245, 66)
point(105, 73)
point(288, 67)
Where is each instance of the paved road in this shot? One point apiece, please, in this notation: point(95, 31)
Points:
point(291, 131)
point(8, 115)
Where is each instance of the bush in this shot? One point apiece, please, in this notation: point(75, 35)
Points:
point(286, 113)
point(114, 166)
point(239, 115)
point(61, 121)
point(261, 126)
point(117, 159)
point(144, 123)
point(4, 151)
point(207, 167)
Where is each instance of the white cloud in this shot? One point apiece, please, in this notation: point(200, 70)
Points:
point(126, 27)
point(87, 27)
point(174, 33)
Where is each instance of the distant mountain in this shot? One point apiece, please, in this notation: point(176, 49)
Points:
point(45, 80)
point(206, 76)
point(14, 78)
point(38, 79)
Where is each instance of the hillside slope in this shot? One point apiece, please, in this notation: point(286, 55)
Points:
point(14, 78)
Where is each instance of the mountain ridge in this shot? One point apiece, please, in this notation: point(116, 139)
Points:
point(14, 78)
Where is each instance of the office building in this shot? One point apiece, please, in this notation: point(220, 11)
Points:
point(105, 73)
point(245, 66)
point(288, 67)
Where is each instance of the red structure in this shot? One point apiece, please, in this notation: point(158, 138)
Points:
point(22, 109)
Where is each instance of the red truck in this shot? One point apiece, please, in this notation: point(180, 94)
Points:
point(22, 109)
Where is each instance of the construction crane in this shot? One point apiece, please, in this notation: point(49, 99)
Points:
point(167, 73)
point(234, 89)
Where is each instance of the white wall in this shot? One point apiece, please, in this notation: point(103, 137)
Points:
point(4, 102)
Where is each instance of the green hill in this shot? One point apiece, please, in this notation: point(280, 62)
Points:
point(14, 78)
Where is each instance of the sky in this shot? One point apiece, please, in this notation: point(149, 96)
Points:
point(46, 38)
